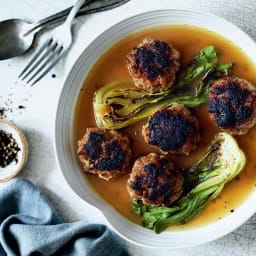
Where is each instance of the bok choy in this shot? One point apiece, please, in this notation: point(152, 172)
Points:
point(204, 182)
point(120, 104)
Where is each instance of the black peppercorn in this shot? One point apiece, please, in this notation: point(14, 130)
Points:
point(8, 149)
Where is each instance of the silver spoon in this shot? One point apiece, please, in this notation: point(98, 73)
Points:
point(17, 36)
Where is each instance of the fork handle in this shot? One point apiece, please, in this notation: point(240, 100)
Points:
point(88, 8)
point(74, 11)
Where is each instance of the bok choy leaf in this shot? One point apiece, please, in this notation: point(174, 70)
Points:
point(205, 180)
point(120, 104)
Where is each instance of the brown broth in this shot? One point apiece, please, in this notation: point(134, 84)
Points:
point(111, 65)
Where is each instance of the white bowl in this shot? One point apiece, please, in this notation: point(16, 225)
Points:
point(66, 150)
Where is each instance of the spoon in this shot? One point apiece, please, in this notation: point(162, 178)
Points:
point(17, 36)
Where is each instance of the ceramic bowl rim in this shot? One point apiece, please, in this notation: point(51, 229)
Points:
point(122, 226)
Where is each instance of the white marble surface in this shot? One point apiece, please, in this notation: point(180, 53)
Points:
point(40, 101)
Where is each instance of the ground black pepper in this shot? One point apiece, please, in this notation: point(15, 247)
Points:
point(8, 149)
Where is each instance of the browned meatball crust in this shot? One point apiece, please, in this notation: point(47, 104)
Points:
point(154, 180)
point(172, 130)
point(104, 152)
point(232, 105)
point(153, 65)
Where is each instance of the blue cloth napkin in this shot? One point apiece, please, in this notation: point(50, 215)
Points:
point(31, 226)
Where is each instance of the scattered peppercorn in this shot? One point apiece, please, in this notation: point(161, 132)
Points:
point(2, 112)
point(8, 149)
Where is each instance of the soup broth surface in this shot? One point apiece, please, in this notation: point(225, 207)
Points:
point(188, 40)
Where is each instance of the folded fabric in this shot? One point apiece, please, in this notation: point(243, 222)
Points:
point(31, 226)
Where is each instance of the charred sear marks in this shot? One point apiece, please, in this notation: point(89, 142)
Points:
point(155, 181)
point(166, 123)
point(113, 157)
point(153, 65)
point(173, 130)
point(232, 104)
point(151, 61)
point(93, 146)
point(104, 152)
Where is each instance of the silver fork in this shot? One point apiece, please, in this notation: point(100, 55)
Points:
point(52, 49)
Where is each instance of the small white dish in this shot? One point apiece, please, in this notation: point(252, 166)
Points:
point(13, 168)
point(66, 148)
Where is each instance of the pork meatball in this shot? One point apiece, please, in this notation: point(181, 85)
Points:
point(232, 105)
point(104, 152)
point(172, 130)
point(155, 181)
point(153, 65)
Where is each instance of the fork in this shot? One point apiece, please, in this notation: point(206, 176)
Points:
point(52, 50)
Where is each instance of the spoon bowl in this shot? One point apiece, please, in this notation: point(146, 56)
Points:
point(13, 41)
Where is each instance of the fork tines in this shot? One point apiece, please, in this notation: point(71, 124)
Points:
point(41, 63)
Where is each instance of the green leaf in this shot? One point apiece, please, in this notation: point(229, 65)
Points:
point(201, 62)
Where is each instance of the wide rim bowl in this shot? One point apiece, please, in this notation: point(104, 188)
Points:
point(66, 150)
